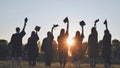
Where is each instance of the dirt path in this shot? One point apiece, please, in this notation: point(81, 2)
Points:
point(7, 64)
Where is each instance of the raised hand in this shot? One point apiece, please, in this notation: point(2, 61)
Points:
point(105, 22)
point(82, 24)
point(96, 22)
point(26, 19)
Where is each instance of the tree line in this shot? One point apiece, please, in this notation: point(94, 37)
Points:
point(5, 48)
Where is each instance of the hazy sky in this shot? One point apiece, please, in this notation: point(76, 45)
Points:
point(45, 13)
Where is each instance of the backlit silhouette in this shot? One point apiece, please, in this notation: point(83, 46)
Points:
point(106, 48)
point(92, 45)
point(33, 47)
point(62, 44)
point(47, 47)
point(76, 49)
point(16, 44)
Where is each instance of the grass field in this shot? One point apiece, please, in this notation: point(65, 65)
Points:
point(24, 64)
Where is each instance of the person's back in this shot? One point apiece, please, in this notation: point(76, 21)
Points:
point(62, 43)
point(47, 45)
point(16, 44)
point(63, 47)
point(107, 43)
point(106, 50)
point(76, 48)
point(33, 48)
point(47, 48)
point(92, 44)
point(92, 47)
point(107, 40)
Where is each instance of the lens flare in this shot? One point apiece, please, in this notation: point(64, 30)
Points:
point(70, 41)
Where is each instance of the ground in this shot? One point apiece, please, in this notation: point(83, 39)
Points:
point(24, 64)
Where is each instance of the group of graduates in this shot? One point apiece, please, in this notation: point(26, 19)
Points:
point(47, 46)
point(16, 45)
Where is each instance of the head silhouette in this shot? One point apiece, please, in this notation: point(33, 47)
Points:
point(33, 33)
point(48, 34)
point(93, 30)
point(17, 29)
point(62, 31)
point(106, 32)
point(77, 33)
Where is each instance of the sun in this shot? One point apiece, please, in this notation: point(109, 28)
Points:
point(70, 41)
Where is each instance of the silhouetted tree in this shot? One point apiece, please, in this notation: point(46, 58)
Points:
point(4, 49)
point(116, 44)
point(116, 50)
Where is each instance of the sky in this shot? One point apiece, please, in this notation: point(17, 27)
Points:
point(45, 13)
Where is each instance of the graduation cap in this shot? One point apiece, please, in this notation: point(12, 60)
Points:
point(82, 23)
point(105, 22)
point(55, 25)
point(66, 20)
point(37, 28)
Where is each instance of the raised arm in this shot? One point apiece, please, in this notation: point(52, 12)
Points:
point(52, 30)
point(96, 22)
point(105, 22)
point(25, 21)
point(66, 20)
point(54, 26)
point(67, 29)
